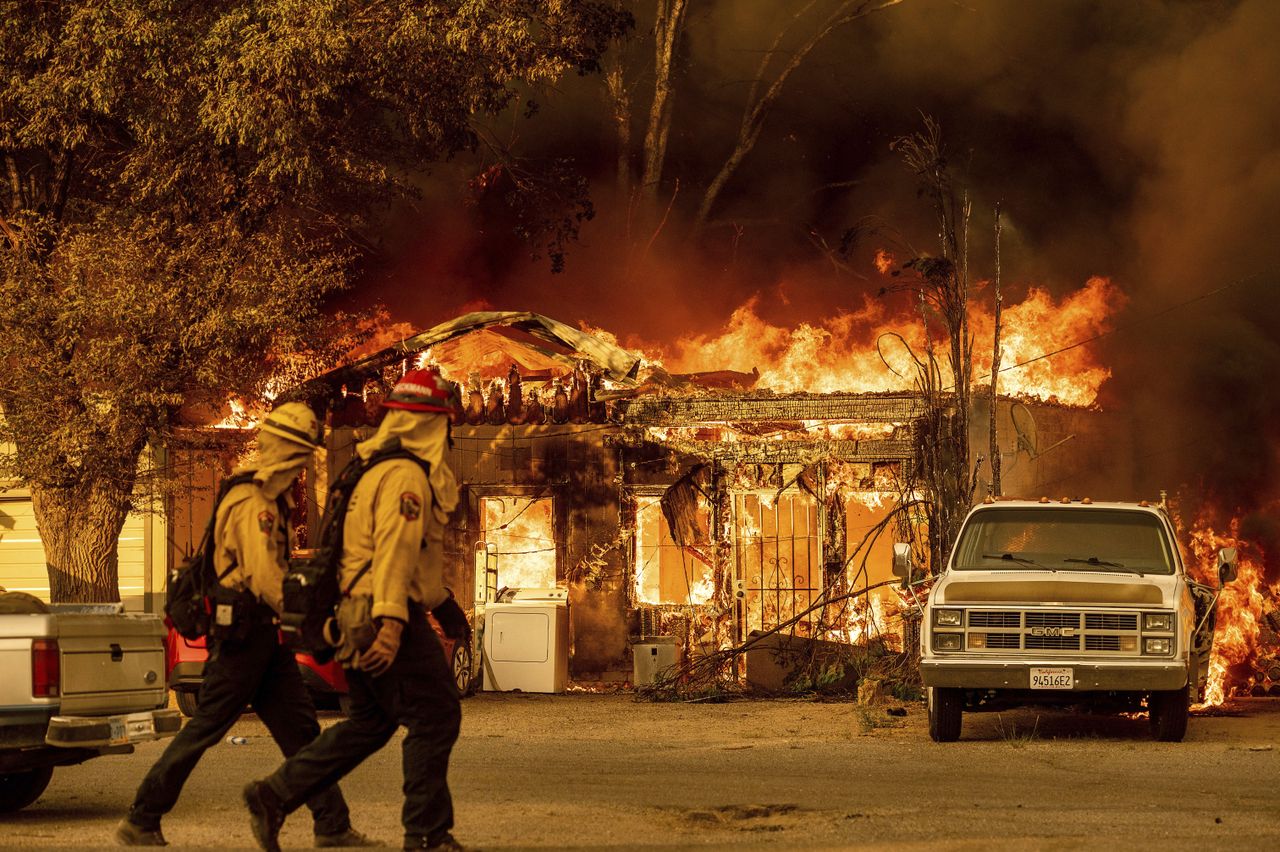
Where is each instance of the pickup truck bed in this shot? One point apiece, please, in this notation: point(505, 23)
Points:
point(76, 682)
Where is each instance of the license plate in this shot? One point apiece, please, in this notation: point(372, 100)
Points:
point(1046, 678)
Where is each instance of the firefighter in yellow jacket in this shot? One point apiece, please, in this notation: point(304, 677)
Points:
point(391, 575)
point(251, 544)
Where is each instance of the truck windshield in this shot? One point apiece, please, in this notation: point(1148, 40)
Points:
point(1066, 539)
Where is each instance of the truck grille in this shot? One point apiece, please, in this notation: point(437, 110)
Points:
point(997, 618)
point(1111, 621)
point(1054, 630)
point(1053, 619)
point(1054, 643)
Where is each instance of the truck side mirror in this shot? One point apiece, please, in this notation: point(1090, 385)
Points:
point(1228, 568)
point(902, 561)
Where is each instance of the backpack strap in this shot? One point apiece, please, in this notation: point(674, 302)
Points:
point(223, 490)
point(390, 453)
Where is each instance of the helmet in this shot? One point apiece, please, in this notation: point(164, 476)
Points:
point(424, 390)
point(296, 422)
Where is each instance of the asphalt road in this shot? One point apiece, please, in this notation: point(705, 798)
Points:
point(595, 771)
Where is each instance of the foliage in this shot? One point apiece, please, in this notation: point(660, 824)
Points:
point(182, 183)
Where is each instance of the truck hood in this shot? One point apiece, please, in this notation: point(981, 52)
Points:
point(1074, 588)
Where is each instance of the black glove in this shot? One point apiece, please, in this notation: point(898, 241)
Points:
point(452, 620)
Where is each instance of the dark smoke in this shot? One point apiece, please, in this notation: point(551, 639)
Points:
point(1133, 139)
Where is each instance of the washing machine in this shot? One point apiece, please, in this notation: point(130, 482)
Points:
point(526, 641)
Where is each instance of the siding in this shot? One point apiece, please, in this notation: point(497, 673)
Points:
point(22, 561)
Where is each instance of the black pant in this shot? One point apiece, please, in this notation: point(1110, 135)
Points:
point(418, 692)
point(257, 671)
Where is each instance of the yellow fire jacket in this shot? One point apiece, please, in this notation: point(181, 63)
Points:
point(390, 528)
point(250, 535)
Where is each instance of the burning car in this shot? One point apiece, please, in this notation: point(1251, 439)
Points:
point(1069, 603)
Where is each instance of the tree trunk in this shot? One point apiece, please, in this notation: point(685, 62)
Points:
point(80, 528)
point(620, 114)
point(666, 34)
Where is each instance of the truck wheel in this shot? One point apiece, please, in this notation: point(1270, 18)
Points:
point(188, 701)
point(1169, 714)
point(946, 711)
point(19, 789)
point(461, 665)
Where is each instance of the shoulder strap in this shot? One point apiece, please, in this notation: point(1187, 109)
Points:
point(223, 490)
point(340, 495)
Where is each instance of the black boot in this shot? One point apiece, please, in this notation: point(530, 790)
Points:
point(266, 814)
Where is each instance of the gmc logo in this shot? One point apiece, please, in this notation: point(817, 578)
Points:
point(1052, 631)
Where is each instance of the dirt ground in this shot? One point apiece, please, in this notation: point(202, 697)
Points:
point(604, 771)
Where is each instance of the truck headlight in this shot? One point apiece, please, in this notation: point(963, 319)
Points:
point(948, 617)
point(1157, 647)
point(1162, 621)
point(946, 641)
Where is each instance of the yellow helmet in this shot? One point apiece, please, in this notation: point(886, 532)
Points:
point(296, 422)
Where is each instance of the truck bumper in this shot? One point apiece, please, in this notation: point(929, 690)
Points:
point(100, 731)
point(1089, 677)
point(187, 675)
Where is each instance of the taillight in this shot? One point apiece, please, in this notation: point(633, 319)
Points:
point(46, 669)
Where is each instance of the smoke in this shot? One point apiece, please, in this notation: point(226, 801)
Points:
point(1135, 140)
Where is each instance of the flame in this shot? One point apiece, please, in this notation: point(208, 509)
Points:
point(655, 550)
point(523, 528)
point(840, 354)
point(884, 261)
point(1236, 639)
point(242, 416)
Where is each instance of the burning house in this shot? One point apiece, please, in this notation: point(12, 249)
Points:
point(700, 507)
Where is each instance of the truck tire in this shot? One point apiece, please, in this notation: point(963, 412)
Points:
point(946, 712)
point(461, 665)
point(188, 701)
point(19, 789)
point(1169, 712)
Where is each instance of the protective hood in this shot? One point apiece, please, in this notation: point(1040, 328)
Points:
point(427, 437)
point(277, 464)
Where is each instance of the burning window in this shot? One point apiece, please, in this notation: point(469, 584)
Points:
point(523, 529)
point(779, 558)
point(667, 573)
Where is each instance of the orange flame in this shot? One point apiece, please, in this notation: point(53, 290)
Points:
point(1236, 645)
point(843, 353)
point(523, 529)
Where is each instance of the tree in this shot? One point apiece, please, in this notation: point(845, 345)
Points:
point(941, 287)
point(775, 68)
point(181, 185)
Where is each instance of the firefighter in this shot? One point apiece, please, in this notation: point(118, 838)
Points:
point(251, 548)
point(393, 561)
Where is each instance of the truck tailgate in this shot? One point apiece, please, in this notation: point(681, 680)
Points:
point(111, 663)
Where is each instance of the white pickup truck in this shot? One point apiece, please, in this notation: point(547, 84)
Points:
point(1068, 603)
point(76, 682)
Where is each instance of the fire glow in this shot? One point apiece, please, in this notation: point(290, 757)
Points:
point(1236, 646)
point(857, 352)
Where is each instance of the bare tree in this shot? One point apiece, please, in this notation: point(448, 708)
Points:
point(667, 27)
point(775, 68)
point(942, 286)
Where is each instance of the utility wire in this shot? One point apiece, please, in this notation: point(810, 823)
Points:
point(1128, 325)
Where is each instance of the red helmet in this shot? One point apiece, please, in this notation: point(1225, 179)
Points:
point(424, 390)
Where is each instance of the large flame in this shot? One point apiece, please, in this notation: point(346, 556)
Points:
point(523, 529)
point(1241, 606)
point(863, 350)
